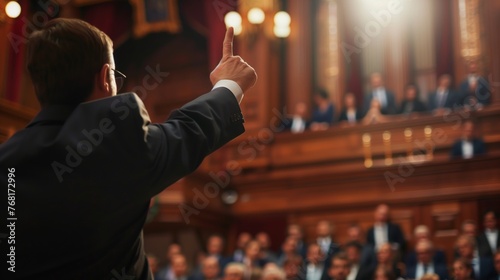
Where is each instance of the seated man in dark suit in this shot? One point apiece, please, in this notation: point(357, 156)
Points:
point(358, 271)
point(298, 122)
point(350, 113)
point(385, 97)
point(475, 88)
point(425, 262)
point(95, 159)
point(339, 267)
point(488, 241)
point(411, 102)
point(314, 266)
point(324, 111)
point(443, 97)
point(482, 267)
point(469, 146)
point(210, 270)
point(421, 232)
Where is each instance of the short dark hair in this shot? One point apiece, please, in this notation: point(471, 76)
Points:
point(323, 93)
point(341, 256)
point(63, 59)
point(354, 244)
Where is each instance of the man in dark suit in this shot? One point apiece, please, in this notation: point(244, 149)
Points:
point(421, 232)
point(88, 164)
point(488, 241)
point(469, 146)
point(339, 267)
point(383, 231)
point(411, 102)
point(482, 267)
point(350, 112)
point(425, 263)
point(385, 97)
point(297, 123)
point(475, 88)
point(358, 271)
point(443, 97)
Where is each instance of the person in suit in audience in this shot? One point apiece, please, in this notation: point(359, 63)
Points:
point(488, 241)
point(496, 260)
point(210, 269)
point(411, 102)
point(482, 267)
point(166, 272)
point(443, 97)
point(215, 247)
point(292, 267)
point(324, 111)
point(384, 231)
point(421, 232)
point(313, 268)
point(239, 253)
point(234, 271)
point(470, 145)
point(387, 259)
point(179, 268)
point(252, 258)
point(324, 231)
point(298, 122)
point(295, 231)
point(425, 263)
point(353, 250)
point(469, 228)
point(374, 114)
point(273, 274)
point(350, 113)
point(383, 273)
point(153, 263)
point(339, 267)
point(475, 88)
point(462, 269)
point(385, 97)
point(265, 244)
point(288, 249)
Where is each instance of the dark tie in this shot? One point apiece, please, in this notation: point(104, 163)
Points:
point(426, 267)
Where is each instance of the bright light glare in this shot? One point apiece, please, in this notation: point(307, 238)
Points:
point(232, 19)
point(282, 19)
point(256, 16)
point(281, 31)
point(13, 9)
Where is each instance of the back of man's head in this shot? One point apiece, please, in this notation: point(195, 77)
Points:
point(63, 59)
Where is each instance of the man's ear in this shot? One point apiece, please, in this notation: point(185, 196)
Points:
point(103, 79)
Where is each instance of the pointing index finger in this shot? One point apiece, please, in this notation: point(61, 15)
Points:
point(227, 50)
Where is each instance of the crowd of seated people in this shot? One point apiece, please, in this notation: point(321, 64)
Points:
point(473, 94)
point(381, 254)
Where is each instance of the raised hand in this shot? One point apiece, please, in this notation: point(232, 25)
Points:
point(233, 67)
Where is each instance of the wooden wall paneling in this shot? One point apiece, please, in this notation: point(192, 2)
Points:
point(299, 64)
point(492, 23)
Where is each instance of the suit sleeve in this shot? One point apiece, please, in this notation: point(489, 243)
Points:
point(165, 152)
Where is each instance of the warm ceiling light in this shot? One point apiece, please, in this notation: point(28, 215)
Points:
point(282, 19)
point(232, 19)
point(256, 16)
point(281, 31)
point(13, 9)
